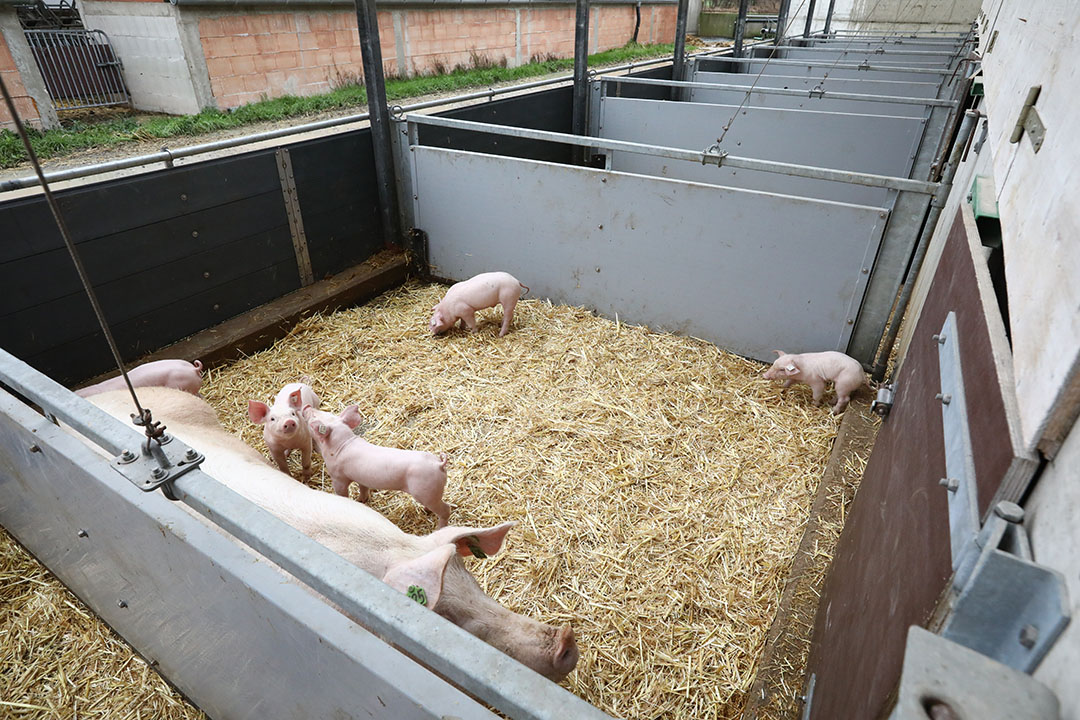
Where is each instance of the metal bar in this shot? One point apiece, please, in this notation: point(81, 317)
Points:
point(786, 91)
point(740, 29)
point(781, 21)
point(840, 66)
point(966, 127)
point(845, 49)
point(296, 218)
point(678, 63)
point(809, 18)
point(379, 117)
point(829, 16)
point(581, 68)
point(192, 150)
point(703, 157)
point(441, 646)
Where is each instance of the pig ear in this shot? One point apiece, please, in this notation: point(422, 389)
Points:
point(305, 412)
point(294, 399)
point(779, 353)
point(351, 417)
point(477, 542)
point(792, 368)
point(421, 578)
point(257, 411)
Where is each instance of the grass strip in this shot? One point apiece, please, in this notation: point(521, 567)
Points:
point(79, 134)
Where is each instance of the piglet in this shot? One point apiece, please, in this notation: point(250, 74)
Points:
point(176, 374)
point(485, 290)
point(351, 459)
point(816, 369)
point(283, 428)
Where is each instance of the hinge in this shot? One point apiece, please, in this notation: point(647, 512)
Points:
point(1030, 121)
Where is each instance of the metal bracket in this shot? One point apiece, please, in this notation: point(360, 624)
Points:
point(941, 679)
point(296, 220)
point(883, 402)
point(959, 480)
point(817, 91)
point(157, 465)
point(1030, 121)
point(713, 153)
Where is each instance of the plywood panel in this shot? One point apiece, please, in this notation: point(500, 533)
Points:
point(1040, 223)
point(893, 560)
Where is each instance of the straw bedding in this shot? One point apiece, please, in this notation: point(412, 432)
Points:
point(659, 484)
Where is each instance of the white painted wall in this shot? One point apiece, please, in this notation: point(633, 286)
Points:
point(146, 38)
point(887, 15)
point(1040, 217)
point(1052, 514)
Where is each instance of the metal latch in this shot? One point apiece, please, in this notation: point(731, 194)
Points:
point(883, 402)
point(1030, 121)
point(158, 465)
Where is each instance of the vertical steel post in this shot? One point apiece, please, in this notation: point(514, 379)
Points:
point(828, 16)
point(679, 60)
point(781, 21)
point(371, 54)
point(581, 68)
point(740, 27)
point(809, 18)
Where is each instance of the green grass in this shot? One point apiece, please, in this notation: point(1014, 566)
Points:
point(79, 135)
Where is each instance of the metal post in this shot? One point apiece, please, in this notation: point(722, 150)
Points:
point(940, 197)
point(679, 61)
point(781, 21)
point(740, 28)
point(371, 53)
point(828, 16)
point(809, 18)
point(581, 68)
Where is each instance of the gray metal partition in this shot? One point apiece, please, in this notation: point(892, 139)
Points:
point(892, 88)
point(747, 270)
point(880, 145)
point(217, 605)
point(818, 69)
point(879, 55)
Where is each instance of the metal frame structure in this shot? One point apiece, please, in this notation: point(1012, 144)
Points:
point(79, 67)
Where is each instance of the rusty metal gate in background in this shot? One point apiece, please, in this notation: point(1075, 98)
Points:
point(79, 67)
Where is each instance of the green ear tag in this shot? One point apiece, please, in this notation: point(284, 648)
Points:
point(473, 544)
point(415, 592)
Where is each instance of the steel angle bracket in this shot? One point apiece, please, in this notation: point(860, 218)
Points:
point(158, 465)
point(959, 480)
point(943, 679)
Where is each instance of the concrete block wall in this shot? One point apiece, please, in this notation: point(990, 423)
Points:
point(147, 36)
point(22, 77)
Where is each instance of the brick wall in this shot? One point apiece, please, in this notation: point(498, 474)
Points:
point(24, 104)
point(253, 55)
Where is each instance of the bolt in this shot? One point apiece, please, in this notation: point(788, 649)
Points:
point(603, 179)
point(597, 269)
point(850, 322)
point(127, 456)
point(194, 233)
point(950, 484)
point(216, 306)
point(865, 271)
point(191, 454)
point(600, 227)
point(1009, 511)
point(159, 473)
point(944, 398)
point(121, 603)
point(183, 196)
point(1028, 635)
point(939, 339)
point(82, 533)
point(883, 214)
point(206, 275)
point(35, 449)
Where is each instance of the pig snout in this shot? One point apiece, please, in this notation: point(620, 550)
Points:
point(564, 655)
point(288, 426)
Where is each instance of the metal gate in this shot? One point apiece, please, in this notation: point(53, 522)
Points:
point(79, 67)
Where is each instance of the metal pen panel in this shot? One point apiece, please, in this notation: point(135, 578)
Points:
point(855, 85)
point(881, 145)
point(756, 99)
point(869, 71)
point(749, 271)
point(195, 603)
point(79, 68)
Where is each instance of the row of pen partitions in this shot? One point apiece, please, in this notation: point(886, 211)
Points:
point(761, 259)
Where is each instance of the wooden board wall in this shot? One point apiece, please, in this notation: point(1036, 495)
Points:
point(893, 559)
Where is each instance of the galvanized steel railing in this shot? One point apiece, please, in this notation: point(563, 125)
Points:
point(79, 67)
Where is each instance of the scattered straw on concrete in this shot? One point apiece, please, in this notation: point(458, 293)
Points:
point(59, 661)
point(660, 485)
